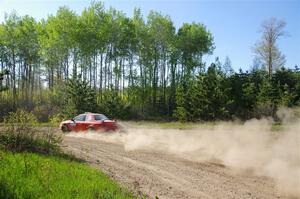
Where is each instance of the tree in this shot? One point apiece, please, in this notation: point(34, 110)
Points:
point(10, 42)
point(79, 97)
point(256, 64)
point(161, 31)
point(137, 66)
point(194, 40)
point(227, 68)
point(216, 94)
point(114, 106)
point(286, 81)
point(268, 98)
point(266, 49)
point(28, 48)
point(2, 74)
point(180, 112)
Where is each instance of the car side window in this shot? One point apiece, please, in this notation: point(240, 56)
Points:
point(80, 118)
point(89, 117)
point(99, 117)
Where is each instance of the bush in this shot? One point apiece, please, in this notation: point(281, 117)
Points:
point(20, 134)
point(181, 114)
point(80, 97)
point(114, 106)
point(42, 112)
point(266, 109)
point(56, 119)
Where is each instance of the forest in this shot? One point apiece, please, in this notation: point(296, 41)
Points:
point(141, 68)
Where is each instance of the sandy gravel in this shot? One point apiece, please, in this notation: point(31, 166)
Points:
point(162, 175)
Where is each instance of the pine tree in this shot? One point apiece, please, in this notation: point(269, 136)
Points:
point(80, 97)
point(180, 112)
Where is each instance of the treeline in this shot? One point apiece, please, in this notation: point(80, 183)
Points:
point(213, 96)
point(130, 68)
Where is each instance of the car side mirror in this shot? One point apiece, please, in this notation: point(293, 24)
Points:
point(73, 120)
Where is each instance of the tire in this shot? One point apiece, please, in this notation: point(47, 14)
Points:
point(65, 129)
point(91, 129)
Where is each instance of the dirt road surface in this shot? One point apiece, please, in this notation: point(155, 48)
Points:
point(163, 175)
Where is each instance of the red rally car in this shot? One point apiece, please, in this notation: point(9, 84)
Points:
point(89, 121)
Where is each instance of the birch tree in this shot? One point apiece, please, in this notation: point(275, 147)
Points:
point(266, 49)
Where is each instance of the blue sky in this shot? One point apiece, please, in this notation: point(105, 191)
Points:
point(234, 24)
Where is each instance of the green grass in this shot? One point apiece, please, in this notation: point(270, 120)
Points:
point(29, 175)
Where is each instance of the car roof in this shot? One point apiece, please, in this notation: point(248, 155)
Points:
point(93, 113)
point(89, 113)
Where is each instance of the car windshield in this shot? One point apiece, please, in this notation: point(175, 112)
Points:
point(80, 117)
point(100, 117)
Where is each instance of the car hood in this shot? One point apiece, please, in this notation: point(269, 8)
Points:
point(66, 122)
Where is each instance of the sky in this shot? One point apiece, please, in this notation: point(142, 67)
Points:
point(234, 24)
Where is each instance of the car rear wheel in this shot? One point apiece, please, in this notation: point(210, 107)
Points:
point(91, 128)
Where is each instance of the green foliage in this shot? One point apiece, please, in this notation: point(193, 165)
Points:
point(28, 175)
point(114, 106)
point(180, 112)
point(19, 134)
point(213, 95)
point(55, 120)
point(20, 122)
point(2, 74)
point(194, 41)
point(42, 112)
point(287, 83)
point(205, 98)
point(130, 67)
point(80, 97)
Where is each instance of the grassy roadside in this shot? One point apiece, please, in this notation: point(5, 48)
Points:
point(32, 165)
point(29, 175)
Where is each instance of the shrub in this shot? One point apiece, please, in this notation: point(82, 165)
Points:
point(266, 109)
point(42, 112)
point(20, 134)
point(114, 106)
point(56, 119)
point(80, 97)
point(181, 114)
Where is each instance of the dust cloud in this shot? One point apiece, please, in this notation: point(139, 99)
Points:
point(250, 147)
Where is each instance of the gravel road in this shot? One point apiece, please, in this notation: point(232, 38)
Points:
point(164, 175)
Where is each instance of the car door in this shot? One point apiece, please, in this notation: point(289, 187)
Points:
point(89, 121)
point(100, 119)
point(80, 122)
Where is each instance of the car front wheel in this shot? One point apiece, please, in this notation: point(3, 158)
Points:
point(65, 128)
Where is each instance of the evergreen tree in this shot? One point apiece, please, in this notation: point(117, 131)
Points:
point(115, 106)
point(128, 67)
point(268, 98)
point(180, 112)
point(80, 97)
point(227, 67)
